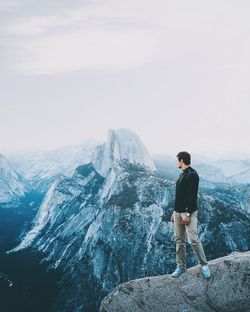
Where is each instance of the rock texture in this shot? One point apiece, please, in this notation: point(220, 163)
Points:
point(12, 184)
point(228, 289)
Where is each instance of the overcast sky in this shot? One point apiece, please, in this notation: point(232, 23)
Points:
point(175, 72)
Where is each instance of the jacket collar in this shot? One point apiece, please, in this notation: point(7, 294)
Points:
point(186, 169)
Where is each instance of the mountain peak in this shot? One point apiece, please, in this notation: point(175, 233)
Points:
point(122, 144)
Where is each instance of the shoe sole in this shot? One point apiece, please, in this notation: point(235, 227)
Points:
point(178, 274)
point(206, 277)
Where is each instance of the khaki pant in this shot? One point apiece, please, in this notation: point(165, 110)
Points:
point(180, 231)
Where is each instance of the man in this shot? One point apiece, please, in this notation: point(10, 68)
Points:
point(185, 214)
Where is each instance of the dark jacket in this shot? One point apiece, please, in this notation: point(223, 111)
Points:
point(186, 191)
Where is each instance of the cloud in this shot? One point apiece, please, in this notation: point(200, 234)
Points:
point(99, 36)
point(72, 18)
point(121, 35)
point(7, 5)
point(95, 49)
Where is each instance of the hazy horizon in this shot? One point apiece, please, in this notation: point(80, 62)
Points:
point(206, 154)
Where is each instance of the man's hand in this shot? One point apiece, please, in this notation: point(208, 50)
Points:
point(185, 219)
point(172, 218)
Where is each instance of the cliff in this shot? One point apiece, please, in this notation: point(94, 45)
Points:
point(228, 289)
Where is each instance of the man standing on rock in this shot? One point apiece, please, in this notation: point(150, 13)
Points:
point(184, 216)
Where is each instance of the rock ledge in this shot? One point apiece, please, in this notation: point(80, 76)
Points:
point(228, 289)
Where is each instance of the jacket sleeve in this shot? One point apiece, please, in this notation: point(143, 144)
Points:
point(192, 190)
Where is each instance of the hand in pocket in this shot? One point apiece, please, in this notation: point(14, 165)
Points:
point(172, 218)
point(185, 219)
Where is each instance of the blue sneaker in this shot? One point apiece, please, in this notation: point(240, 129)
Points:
point(178, 272)
point(206, 271)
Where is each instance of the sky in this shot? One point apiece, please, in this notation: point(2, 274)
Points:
point(177, 73)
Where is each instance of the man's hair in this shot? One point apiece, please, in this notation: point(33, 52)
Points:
point(185, 156)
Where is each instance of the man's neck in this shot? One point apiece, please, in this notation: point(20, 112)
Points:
point(185, 168)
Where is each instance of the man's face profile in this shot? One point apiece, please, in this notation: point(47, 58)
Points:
point(179, 163)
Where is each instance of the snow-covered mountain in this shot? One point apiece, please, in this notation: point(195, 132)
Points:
point(12, 184)
point(232, 172)
point(242, 177)
point(45, 164)
point(231, 167)
point(42, 168)
point(121, 144)
point(235, 195)
point(110, 222)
